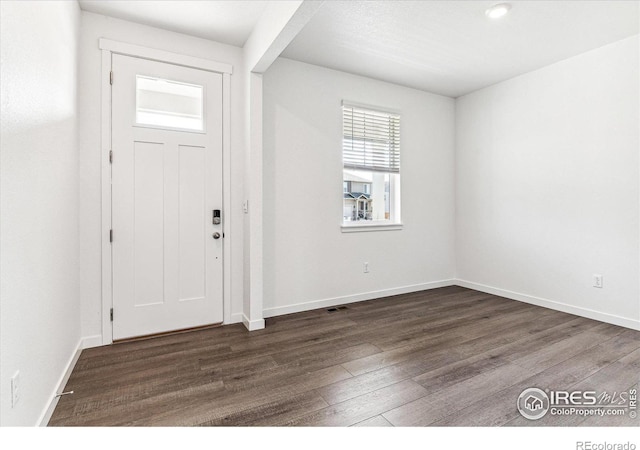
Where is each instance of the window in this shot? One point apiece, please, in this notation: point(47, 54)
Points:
point(371, 167)
point(169, 104)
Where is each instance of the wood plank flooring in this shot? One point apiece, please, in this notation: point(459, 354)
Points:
point(444, 357)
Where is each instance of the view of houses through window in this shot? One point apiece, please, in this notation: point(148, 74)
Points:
point(366, 195)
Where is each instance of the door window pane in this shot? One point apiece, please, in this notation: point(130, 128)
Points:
point(169, 104)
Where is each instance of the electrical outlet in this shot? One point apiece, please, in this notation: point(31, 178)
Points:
point(365, 267)
point(15, 389)
point(597, 280)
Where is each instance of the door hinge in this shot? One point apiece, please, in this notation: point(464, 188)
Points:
point(110, 156)
point(110, 235)
point(111, 77)
point(111, 314)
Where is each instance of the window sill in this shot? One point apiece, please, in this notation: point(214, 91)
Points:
point(356, 228)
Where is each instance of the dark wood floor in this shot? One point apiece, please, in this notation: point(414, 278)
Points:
point(449, 356)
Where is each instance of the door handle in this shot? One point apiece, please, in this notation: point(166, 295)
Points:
point(216, 235)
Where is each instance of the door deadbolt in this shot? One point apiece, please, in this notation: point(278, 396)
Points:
point(216, 217)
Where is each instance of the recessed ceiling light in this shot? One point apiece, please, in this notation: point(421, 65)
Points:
point(497, 11)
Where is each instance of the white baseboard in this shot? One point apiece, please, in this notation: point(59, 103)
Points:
point(53, 400)
point(335, 301)
point(92, 341)
point(252, 325)
point(552, 304)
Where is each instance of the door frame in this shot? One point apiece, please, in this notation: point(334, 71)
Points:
point(108, 48)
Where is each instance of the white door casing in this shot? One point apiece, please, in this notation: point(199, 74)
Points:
point(167, 269)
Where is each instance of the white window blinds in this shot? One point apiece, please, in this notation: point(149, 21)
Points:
point(371, 139)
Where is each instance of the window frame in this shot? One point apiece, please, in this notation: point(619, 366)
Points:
point(394, 222)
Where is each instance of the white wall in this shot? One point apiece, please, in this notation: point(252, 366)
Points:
point(547, 184)
point(40, 310)
point(95, 26)
point(308, 261)
point(279, 23)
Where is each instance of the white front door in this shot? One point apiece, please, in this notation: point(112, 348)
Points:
point(166, 183)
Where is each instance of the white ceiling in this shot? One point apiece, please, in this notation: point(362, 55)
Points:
point(446, 47)
point(451, 47)
point(228, 22)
